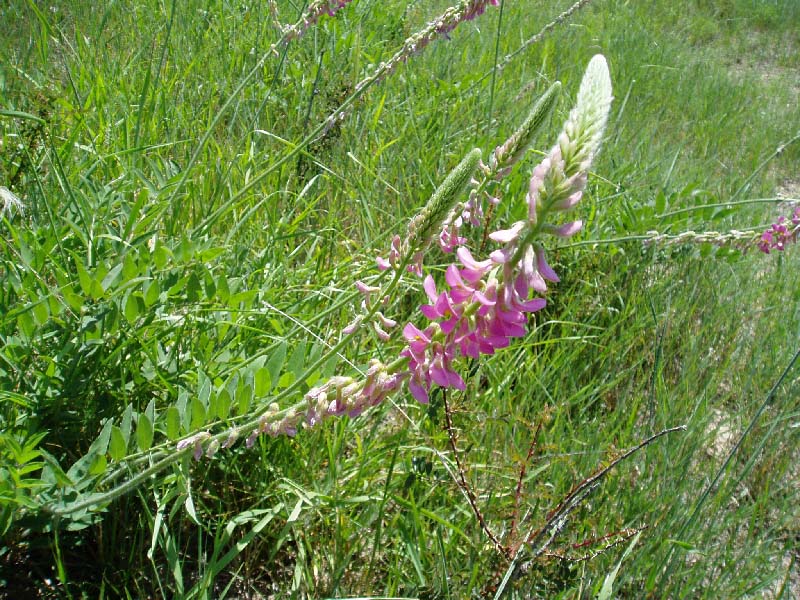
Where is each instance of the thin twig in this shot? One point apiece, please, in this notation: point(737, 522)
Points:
point(535, 39)
point(462, 482)
point(557, 519)
point(625, 534)
point(579, 492)
point(518, 492)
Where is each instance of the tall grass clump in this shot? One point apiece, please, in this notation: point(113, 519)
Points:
point(349, 299)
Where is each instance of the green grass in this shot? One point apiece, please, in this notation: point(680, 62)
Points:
point(151, 283)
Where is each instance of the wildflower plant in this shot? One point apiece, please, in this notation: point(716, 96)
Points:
point(482, 305)
point(173, 288)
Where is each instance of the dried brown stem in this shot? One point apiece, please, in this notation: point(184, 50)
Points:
point(621, 537)
point(518, 492)
point(557, 519)
point(465, 487)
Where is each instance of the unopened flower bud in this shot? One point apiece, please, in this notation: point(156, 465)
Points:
point(442, 201)
point(212, 448)
point(514, 148)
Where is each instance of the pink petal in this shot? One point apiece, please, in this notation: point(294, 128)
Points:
point(568, 229)
point(568, 202)
point(439, 375)
point(453, 278)
point(533, 305)
point(449, 325)
point(484, 299)
point(443, 306)
point(508, 235)
point(419, 392)
point(429, 311)
point(430, 288)
point(500, 256)
point(412, 333)
point(455, 381)
point(469, 262)
point(544, 268)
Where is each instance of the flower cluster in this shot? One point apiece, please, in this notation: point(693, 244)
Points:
point(336, 397)
point(783, 231)
point(477, 314)
point(486, 302)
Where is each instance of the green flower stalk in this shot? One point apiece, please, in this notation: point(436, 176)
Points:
point(423, 225)
point(500, 164)
point(514, 148)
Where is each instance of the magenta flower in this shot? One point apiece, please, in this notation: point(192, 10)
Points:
point(487, 302)
point(477, 314)
point(781, 233)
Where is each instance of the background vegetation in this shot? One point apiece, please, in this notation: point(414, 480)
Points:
point(173, 267)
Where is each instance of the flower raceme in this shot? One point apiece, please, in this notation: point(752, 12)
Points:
point(486, 301)
point(782, 232)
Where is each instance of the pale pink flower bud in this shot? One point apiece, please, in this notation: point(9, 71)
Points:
point(504, 236)
point(544, 268)
point(385, 321)
point(353, 325)
point(382, 335)
point(566, 230)
point(232, 437)
point(383, 264)
point(366, 289)
point(212, 449)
